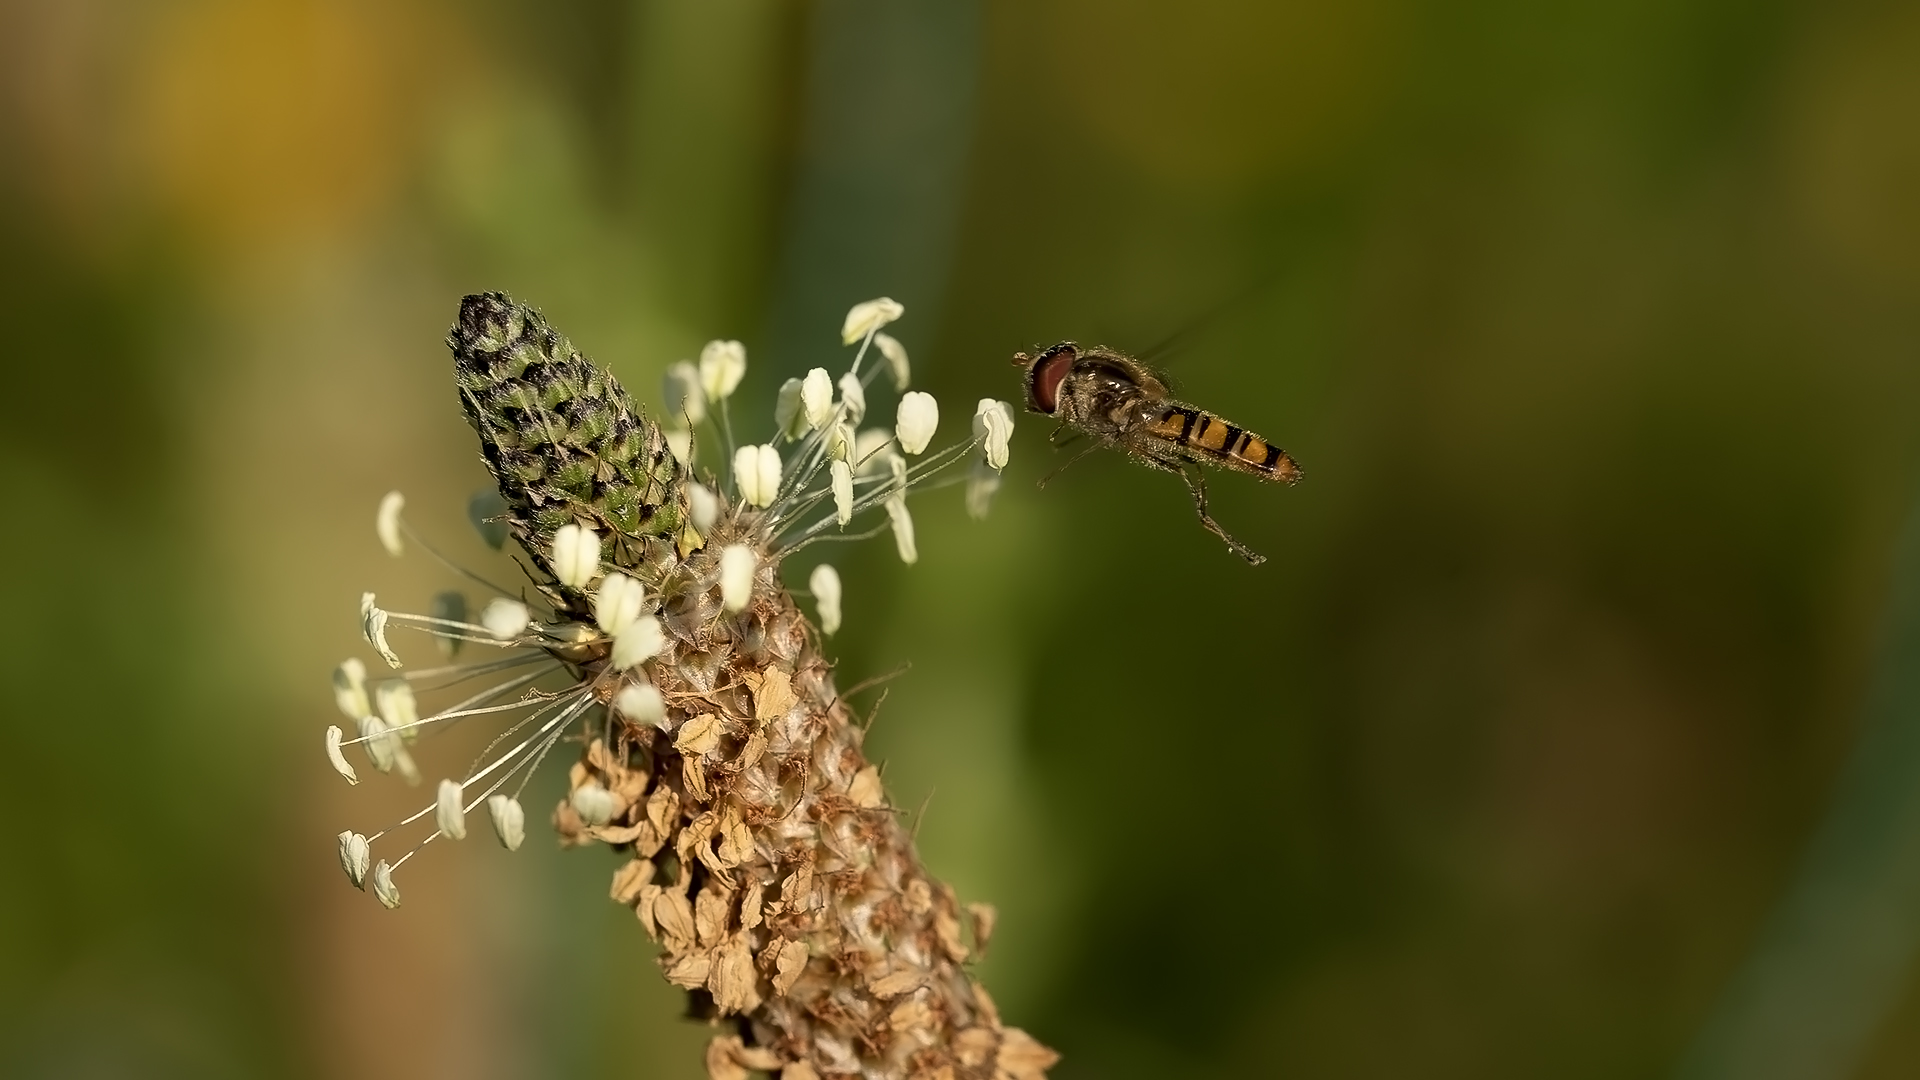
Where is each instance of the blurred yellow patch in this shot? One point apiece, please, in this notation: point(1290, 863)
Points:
point(262, 118)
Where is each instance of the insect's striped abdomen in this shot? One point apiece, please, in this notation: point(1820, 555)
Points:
point(1206, 436)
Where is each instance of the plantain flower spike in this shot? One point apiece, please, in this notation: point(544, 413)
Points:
point(648, 625)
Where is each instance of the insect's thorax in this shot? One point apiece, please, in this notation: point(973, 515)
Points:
point(1106, 403)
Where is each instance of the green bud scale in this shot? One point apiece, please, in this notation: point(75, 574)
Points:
point(560, 435)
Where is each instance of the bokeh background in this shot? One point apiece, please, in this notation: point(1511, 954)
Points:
point(1570, 731)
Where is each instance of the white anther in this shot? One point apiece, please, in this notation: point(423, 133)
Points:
point(679, 444)
point(387, 523)
point(737, 564)
point(338, 759)
point(840, 442)
point(576, 554)
point(504, 618)
point(919, 415)
point(704, 506)
point(373, 624)
point(841, 475)
point(394, 700)
point(354, 853)
point(816, 397)
point(350, 688)
point(619, 602)
point(722, 365)
point(789, 419)
point(896, 355)
point(641, 703)
point(870, 451)
point(866, 317)
point(449, 809)
point(982, 482)
point(383, 886)
point(509, 821)
point(756, 473)
point(825, 583)
point(902, 529)
point(853, 398)
point(379, 744)
point(993, 426)
point(641, 640)
point(686, 402)
point(593, 803)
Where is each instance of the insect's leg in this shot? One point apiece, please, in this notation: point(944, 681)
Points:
point(1197, 484)
point(1091, 447)
point(1072, 434)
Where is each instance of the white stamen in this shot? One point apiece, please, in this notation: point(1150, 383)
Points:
point(373, 623)
point(383, 886)
point(448, 813)
point(378, 743)
point(404, 762)
point(841, 476)
point(840, 442)
point(449, 606)
point(896, 355)
point(509, 821)
point(504, 619)
point(387, 523)
point(993, 426)
point(394, 699)
point(870, 451)
point(686, 402)
point(680, 444)
point(756, 473)
point(641, 703)
point(593, 803)
point(789, 419)
point(576, 555)
point(354, 853)
point(641, 640)
point(869, 316)
point(816, 394)
point(722, 365)
point(484, 511)
point(919, 415)
point(982, 482)
point(339, 759)
point(825, 583)
point(619, 602)
point(853, 398)
point(704, 506)
point(350, 688)
point(902, 529)
point(737, 564)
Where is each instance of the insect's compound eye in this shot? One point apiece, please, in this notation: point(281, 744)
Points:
point(1048, 373)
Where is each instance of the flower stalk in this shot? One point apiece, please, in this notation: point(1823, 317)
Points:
point(763, 852)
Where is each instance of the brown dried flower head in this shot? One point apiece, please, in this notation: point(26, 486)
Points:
point(764, 854)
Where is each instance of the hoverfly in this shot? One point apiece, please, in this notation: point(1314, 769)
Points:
point(1123, 405)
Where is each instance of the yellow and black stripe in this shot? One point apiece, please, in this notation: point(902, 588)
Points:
point(1206, 435)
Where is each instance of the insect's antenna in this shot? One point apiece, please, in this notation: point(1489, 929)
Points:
point(1091, 447)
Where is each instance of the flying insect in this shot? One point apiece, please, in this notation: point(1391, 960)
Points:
point(1123, 405)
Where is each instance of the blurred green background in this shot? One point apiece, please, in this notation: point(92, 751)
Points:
point(1595, 325)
